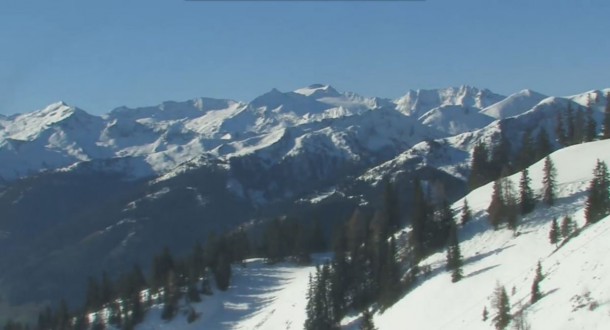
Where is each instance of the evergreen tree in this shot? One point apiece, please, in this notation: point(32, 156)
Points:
point(579, 126)
point(598, 202)
point(606, 122)
point(496, 206)
point(171, 295)
point(535, 292)
point(419, 221)
point(501, 304)
point(554, 232)
point(591, 125)
point(511, 206)
point(107, 290)
point(485, 314)
point(391, 206)
point(62, 316)
point(222, 272)
point(527, 153)
point(466, 213)
point(93, 300)
point(367, 321)
point(567, 226)
point(571, 125)
point(560, 130)
point(543, 144)
point(500, 156)
point(479, 167)
point(454, 256)
point(548, 182)
point(526, 195)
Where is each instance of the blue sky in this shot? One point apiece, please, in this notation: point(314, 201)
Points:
point(99, 55)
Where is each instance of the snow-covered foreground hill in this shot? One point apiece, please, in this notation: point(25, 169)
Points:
point(576, 290)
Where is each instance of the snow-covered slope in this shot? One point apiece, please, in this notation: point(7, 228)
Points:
point(454, 120)
point(513, 105)
point(575, 289)
point(261, 296)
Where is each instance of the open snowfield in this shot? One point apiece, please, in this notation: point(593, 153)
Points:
point(261, 296)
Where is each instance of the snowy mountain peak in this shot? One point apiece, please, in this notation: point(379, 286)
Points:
point(422, 100)
point(318, 91)
point(514, 104)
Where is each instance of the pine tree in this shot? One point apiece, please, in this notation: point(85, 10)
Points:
point(543, 144)
point(560, 130)
point(496, 206)
point(527, 153)
point(93, 299)
point(567, 226)
point(554, 232)
point(526, 195)
point(591, 125)
point(485, 314)
point(579, 126)
point(606, 122)
point(222, 272)
point(501, 305)
point(454, 256)
point(391, 206)
point(419, 221)
point(535, 292)
point(548, 182)
point(598, 202)
point(367, 321)
point(511, 206)
point(479, 167)
point(466, 213)
point(571, 125)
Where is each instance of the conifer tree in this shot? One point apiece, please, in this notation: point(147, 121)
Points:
point(93, 299)
point(526, 195)
point(543, 144)
point(527, 153)
point(479, 167)
point(511, 206)
point(548, 182)
point(466, 213)
point(554, 232)
point(590, 125)
point(222, 272)
point(501, 304)
point(485, 314)
point(454, 256)
point(367, 321)
point(419, 221)
point(598, 202)
point(570, 125)
point(579, 126)
point(567, 226)
point(391, 206)
point(606, 122)
point(560, 130)
point(535, 292)
point(496, 206)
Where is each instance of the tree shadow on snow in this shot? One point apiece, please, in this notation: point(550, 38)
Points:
point(480, 271)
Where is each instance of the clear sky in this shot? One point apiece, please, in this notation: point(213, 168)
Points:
point(102, 54)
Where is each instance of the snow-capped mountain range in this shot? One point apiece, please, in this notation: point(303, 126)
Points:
point(112, 186)
point(172, 133)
